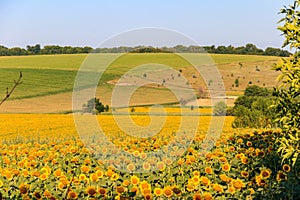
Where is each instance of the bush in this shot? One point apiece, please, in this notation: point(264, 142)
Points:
point(95, 106)
point(220, 109)
point(253, 110)
point(257, 91)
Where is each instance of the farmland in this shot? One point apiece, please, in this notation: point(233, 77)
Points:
point(147, 113)
point(48, 79)
point(44, 157)
point(177, 152)
point(150, 100)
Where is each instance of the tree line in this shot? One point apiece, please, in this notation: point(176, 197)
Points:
point(248, 49)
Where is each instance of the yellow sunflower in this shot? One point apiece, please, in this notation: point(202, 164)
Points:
point(134, 180)
point(208, 170)
point(281, 176)
point(217, 188)
point(102, 191)
point(158, 191)
point(167, 191)
point(238, 184)
point(226, 167)
point(72, 195)
point(197, 196)
point(23, 188)
point(91, 191)
point(265, 173)
point(207, 196)
point(286, 168)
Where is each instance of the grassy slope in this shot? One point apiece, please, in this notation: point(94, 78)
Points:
point(50, 77)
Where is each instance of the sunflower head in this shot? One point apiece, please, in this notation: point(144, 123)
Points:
point(238, 184)
point(120, 189)
point(286, 168)
point(265, 174)
point(208, 170)
point(176, 191)
point(24, 188)
point(72, 195)
point(217, 188)
point(134, 180)
point(91, 191)
point(37, 195)
point(226, 167)
point(197, 196)
point(167, 191)
point(158, 191)
point(245, 174)
point(207, 196)
point(102, 191)
point(281, 176)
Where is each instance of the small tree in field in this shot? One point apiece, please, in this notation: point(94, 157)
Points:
point(95, 106)
point(236, 82)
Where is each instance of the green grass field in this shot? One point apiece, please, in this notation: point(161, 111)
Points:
point(48, 79)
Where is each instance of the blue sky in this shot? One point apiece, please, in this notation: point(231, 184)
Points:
point(80, 23)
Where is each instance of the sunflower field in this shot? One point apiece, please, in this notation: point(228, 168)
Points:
point(43, 157)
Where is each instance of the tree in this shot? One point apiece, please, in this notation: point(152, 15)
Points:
point(53, 49)
point(87, 49)
point(257, 115)
point(132, 109)
point(249, 48)
point(3, 51)
point(255, 90)
point(9, 92)
point(220, 108)
point(287, 102)
point(236, 82)
point(252, 109)
point(95, 106)
point(221, 49)
point(34, 49)
point(16, 51)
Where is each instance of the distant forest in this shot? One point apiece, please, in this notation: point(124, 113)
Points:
point(248, 49)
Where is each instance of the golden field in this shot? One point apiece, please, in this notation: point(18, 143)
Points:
point(43, 157)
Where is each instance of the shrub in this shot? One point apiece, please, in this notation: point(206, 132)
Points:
point(220, 108)
point(253, 109)
point(95, 106)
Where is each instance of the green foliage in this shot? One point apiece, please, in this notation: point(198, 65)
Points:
point(290, 28)
point(257, 91)
point(252, 109)
point(34, 49)
point(248, 49)
point(95, 106)
point(287, 102)
point(276, 52)
point(236, 82)
point(220, 108)
point(149, 50)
